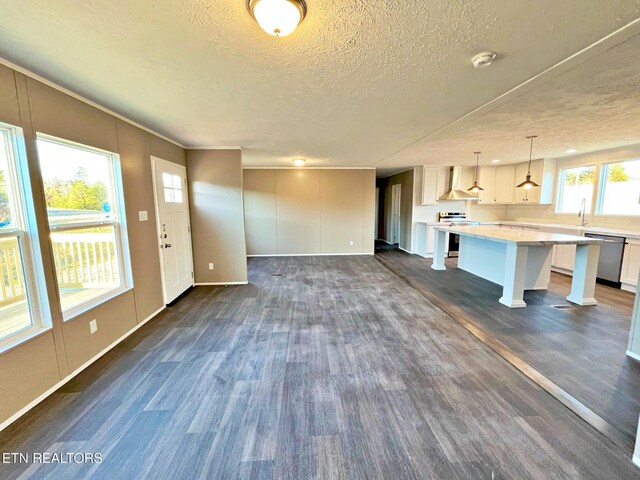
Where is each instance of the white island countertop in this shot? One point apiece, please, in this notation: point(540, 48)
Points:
point(521, 237)
point(520, 260)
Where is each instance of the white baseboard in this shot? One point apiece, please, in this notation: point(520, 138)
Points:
point(562, 271)
point(627, 287)
point(218, 284)
point(73, 374)
point(634, 356)
point(405, 250)
point(310, 255)
point(636, 460)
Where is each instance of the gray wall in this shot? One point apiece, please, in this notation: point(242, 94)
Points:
point(309, 211)
point(31, 368)
point(215, 197)
point(406, 205)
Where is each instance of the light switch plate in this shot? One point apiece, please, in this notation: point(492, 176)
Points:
point(211, 266)
point(93, 326)
point(143, 216)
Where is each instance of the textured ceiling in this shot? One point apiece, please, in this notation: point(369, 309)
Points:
point(355, 85)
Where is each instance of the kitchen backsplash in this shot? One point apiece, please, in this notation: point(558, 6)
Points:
point(547, 214)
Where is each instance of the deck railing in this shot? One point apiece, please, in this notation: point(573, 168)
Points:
point(83, 260)
point(12, 288)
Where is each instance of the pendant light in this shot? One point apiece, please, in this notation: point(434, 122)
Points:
point(528, 184)
point(278, 17)
point(475, 188)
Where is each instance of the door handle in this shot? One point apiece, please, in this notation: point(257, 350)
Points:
point(167, 245)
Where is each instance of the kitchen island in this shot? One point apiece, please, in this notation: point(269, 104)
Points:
point(520, 260)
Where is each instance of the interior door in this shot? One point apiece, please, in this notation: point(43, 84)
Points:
point(396, 191)
point(173, 226)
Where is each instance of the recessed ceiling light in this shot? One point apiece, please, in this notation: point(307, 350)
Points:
point(495, 160)
point(278, 17)
point(571, 150)
point(299, 162)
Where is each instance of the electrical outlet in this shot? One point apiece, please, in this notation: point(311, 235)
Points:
point(351, 243)
point(93, 326)
point(210, 266)
point(143, 216)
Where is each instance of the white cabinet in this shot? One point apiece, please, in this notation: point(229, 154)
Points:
point(563, 257)
point(630, 265)
point(503, 190)
point(429, 186)
point(500, 183)
point(434, 184)
point(487, 180)
point(426, 239)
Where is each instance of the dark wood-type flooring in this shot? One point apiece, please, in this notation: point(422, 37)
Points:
point(582, 350)
point(339, 370)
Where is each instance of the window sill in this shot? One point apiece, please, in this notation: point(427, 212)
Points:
point(20, 338)
point(81, 309)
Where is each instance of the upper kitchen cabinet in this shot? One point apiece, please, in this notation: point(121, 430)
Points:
point(503, 188)
point(499, 183)
point(434, 184)
point(487, 180)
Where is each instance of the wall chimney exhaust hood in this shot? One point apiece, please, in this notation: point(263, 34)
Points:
point(456, 191)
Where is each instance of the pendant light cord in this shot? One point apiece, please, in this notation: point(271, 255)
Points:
point(477, 162)
point(530, 153)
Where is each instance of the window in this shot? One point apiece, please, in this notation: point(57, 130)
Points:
point(575, 185)
point(620, 188)
point(83, 193)
point(22, 311)
point(172, 188)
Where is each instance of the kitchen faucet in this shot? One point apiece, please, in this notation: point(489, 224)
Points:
point(583, 213)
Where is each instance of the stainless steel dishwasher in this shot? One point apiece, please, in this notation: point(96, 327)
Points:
point(610, 261)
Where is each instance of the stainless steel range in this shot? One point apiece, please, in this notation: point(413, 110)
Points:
point(454, 218)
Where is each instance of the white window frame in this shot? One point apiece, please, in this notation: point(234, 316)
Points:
point(117, 221)
point(26, 231)
point(560, 186)
point(602, 183)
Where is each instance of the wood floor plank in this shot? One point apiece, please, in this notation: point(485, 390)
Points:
point(337, 370)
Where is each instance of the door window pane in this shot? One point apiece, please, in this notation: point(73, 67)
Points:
point(87, 264)
point(172, 185)
point(620, 190)
point(575, 185)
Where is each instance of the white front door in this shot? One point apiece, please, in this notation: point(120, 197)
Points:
point(174, 228)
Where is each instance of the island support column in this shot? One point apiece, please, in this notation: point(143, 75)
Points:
point(515, 271)
point(439, 250)
point(585, 268)
point(633, 348)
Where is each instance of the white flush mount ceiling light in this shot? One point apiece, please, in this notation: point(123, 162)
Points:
point(571, 150)
point(495, 160)
point(483, 60)
point(278, 17)
point(299, 162)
